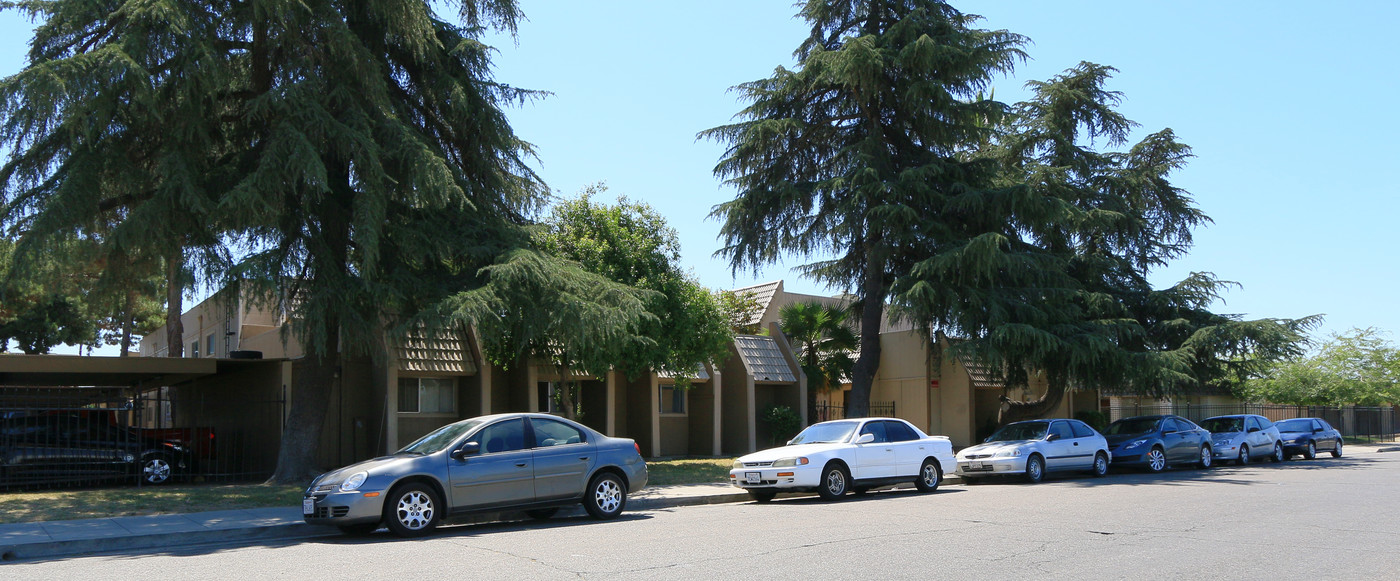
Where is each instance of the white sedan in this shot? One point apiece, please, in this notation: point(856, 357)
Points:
point(1034, 448)
point(839, 456)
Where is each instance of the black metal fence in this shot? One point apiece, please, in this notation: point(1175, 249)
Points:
point(835, 412)
point(1369, 424)
point(73, 436)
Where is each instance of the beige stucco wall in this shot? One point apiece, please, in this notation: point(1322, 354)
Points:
point(903, 377)
point(956, 404)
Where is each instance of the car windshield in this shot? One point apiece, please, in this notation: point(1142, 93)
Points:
point(440, 438)
point(1295, 426)
point(1020, 431)
point(1132, 426)
point(825, 432)
point(1224, 425)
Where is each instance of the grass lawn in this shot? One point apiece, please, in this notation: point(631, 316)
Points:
point(688, 471)
point(81, 503)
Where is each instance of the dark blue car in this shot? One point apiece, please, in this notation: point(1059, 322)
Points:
point(1155, 442)
point(1308, 435)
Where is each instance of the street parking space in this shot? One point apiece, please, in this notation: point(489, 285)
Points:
point(1329, 518)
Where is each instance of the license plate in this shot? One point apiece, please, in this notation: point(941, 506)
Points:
point(976, 466)
point(308, 506)
point(753, 477)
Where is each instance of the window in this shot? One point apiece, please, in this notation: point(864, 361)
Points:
point(552, 433)
point(877, 428)
point(194, 349)
point(1061, 430)
point(504, 436)
point(209, 345)
point(546, 396)
point(899, 432)
point(427, 395)
point(672, 399)
point(1081, 429)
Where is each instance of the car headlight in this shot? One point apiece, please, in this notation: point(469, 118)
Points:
point(790, 462)
point(354, 481)
point(738, 463)
point(1134, 444)
point(1011, 453)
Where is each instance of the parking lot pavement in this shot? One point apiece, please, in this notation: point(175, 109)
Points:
point(133, 533)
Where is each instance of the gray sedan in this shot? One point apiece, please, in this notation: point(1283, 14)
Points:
point(532, 462)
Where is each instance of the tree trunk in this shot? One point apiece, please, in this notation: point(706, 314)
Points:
point(814, 384)
point(301, 436)
point(128, 320)
point(174, 307)
point(1016, 411)
point(311, 398)
point(871, 315)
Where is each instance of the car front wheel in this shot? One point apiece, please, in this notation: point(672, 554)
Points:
point(1100, 465)
point(1156, 459)
point(1035, 469)
point(834, 482)
point(605, 497)
point(1311, 452)
point(929, 476)
point(412, 510)
point(156, 470)
point(1206, 457)
point(1337, 449)
point(1244, 455)
point(1278, 453)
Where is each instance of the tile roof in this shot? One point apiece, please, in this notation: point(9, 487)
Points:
point(763, 358)
point(444, 352)
point(763, 293)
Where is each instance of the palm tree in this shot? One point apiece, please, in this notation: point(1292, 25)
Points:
point(824, 341)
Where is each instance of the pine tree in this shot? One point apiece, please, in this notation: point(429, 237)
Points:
point(349, 161)
point(1049, 273)
point(855, 154)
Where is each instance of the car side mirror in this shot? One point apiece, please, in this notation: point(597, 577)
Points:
point(865, 439)
point(1252, 430)
point(1051, 437)
point(1317, 430)
point(467, 449)
point(789, 442)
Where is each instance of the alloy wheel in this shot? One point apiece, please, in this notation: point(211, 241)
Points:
point(415, 510)
point(1156, 460)
point(608, 495)
point(156, 470)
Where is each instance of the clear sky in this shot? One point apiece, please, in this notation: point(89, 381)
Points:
point(1282, 102)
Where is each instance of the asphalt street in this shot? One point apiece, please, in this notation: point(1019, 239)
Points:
point(1321, 519)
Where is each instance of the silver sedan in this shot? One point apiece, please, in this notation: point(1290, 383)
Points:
point(1243, 438)
point(532, 462)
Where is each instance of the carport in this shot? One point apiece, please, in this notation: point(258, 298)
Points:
point(228, 411)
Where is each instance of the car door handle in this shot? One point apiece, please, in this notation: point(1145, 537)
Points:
point(583, 458)
point(519, 464)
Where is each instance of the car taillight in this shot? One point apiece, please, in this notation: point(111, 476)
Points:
point(638, 447)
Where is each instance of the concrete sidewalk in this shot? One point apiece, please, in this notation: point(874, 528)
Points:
point(42, 540)
point(102, 535)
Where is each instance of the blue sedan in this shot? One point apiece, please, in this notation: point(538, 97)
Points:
point(1155, 442)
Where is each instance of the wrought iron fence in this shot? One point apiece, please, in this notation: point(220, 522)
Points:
point(73, 436)
point(835, 412)
point(1369, 424)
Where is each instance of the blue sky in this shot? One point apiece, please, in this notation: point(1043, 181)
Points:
point(1282, 102)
